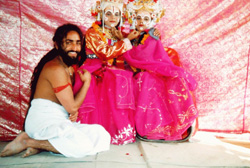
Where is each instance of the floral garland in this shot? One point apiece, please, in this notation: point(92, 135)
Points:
point(96, 27)
point(144, 38)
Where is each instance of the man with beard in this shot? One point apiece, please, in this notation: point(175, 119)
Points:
point(50, 123)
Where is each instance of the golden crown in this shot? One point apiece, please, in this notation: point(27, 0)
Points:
point(114, 1)
point(97, 10)
point(152, 6)
point(101, 5)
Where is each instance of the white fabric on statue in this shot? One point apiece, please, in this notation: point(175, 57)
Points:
point(47, 120)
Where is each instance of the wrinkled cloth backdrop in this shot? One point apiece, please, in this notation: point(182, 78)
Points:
point(212, 38)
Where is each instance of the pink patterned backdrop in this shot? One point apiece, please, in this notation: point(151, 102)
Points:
point(212, 38)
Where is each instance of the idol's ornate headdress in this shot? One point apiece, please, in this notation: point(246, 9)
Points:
point(152, 6)
point(98, 10)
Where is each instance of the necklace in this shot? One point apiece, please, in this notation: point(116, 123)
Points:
point(66, 68)
point(70, 74)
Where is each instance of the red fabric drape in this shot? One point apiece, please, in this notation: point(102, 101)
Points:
point(210, 36)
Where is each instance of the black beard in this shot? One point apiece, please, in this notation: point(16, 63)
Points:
point(66, 58)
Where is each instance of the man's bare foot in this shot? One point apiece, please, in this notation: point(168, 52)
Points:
point(31, 151)
point(16, 146)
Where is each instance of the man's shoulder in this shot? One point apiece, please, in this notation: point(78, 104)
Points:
point(53, 66)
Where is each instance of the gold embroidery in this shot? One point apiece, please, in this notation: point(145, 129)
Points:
point(185, 96)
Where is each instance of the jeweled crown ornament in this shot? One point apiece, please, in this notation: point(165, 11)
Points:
point(98, 9)
point(154, 7)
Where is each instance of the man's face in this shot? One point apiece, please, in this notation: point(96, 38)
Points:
point(70, 48)
point(112, 16)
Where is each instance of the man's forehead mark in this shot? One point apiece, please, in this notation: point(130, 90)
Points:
point(70, 38)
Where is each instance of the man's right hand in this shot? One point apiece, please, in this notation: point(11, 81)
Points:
point(84, 75)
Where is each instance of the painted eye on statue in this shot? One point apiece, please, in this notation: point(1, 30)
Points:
point(138, 18)
point(147, 19)
point(117, 14)
point(108, 13)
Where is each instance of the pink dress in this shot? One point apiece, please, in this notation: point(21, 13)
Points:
point(164, 105)
point(110, 100)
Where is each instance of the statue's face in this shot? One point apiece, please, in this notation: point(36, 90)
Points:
point(143, 20)
point(112, 16)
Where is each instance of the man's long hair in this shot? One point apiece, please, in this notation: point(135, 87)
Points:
point(60, 34)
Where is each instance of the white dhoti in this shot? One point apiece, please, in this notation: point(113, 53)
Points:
point(47, 120)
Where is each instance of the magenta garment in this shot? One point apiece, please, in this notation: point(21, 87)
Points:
point(152, 57)
point(109, 101)
point(90, 103)
point(164, 105)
